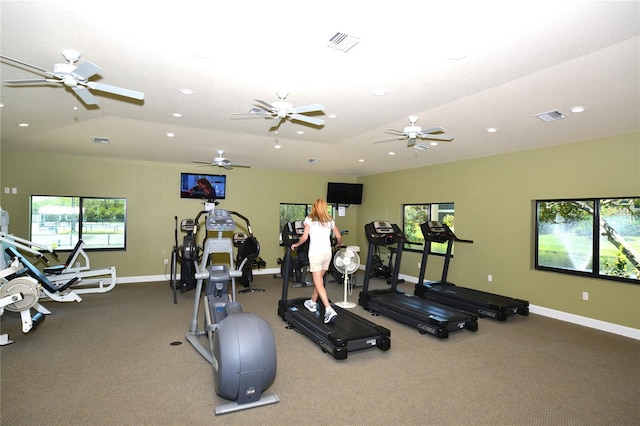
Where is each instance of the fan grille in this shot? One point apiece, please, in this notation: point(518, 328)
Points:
point(550, 116)
point(342, 42)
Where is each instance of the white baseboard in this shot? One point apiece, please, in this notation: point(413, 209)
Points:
point(586, 322)
point(152, 278)
point(621, 330)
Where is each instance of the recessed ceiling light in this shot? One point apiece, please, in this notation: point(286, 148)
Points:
point(278, 146)
point(176, 115)
point(186, 91)
point(170, 135)
point(392, 153)
point(492, 129)
point(434, 144)
point(1, 105)
point(379, 92)
point(300, 132)
point(23, 125)
point(577, 109)
point(360, 160)
point(332, 115)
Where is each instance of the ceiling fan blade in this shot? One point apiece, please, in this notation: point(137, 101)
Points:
point(266, 104)
point(399, 138)
point(116, 90)
point(202, 162)
point(42, 70)
point(394, 131)
point(85, 70)
point(254, 112)
point(442, 138)
point(32, 81)
point(275, 122)
point(246, 166)
point(304, 118)
point(308, 108)
point(85, 95)
point(436, 129)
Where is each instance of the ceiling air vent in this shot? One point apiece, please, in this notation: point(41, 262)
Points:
point(103, 141)
point(342, 42)
point(550, 116)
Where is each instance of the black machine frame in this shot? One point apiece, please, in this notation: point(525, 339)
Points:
point(349, 332)
point(428, 317)
point(483, 303)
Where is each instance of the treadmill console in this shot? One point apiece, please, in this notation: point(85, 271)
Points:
point(220, 220)
point(436, 231)
point(439, 232)
point(382, 232)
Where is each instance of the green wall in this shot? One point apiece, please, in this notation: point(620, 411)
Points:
point(152, 191)
point(493, 200)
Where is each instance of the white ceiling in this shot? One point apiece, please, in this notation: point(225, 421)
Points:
point(522, 59)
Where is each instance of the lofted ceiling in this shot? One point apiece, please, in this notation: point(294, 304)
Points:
point(519, 60)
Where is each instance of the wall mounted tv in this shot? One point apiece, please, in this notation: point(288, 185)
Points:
point(344, 193)
point(203, 187)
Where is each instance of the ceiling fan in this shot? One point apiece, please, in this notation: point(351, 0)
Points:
point(74, 77)
point(413, 132)
point(281, 110)
point(220, 161)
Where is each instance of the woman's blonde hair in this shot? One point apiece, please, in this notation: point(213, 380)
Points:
point(319, 212)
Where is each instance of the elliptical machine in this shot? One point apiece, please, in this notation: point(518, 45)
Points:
point(188, 254)
point(241, 346)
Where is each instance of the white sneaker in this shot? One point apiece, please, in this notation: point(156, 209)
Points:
point(310, 305)
point(330, 315)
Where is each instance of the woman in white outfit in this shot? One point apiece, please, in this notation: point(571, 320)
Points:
point(318, 227)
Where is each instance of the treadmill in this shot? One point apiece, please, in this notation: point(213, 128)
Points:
point(428, 317)
point(481, 302)
point(349, 332)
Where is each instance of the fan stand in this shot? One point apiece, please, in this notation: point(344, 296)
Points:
point(346, 304)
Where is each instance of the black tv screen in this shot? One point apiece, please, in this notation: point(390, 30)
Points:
point(344, 193)
point(201, 186)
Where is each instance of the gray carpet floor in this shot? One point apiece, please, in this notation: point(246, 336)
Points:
point(121, 358)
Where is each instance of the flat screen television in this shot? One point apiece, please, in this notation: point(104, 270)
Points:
point(202, 186)
point(344, 193)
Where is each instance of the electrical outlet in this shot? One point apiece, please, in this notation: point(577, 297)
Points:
point(419, 265)
point(489, 277)
point(585, 295)
point(166, 261)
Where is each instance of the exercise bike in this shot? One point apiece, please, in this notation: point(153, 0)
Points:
point(241, 346)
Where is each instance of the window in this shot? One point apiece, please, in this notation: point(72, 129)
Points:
point(598, 237)
point(413, 215)
point(292, 212)
point(60, 222)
